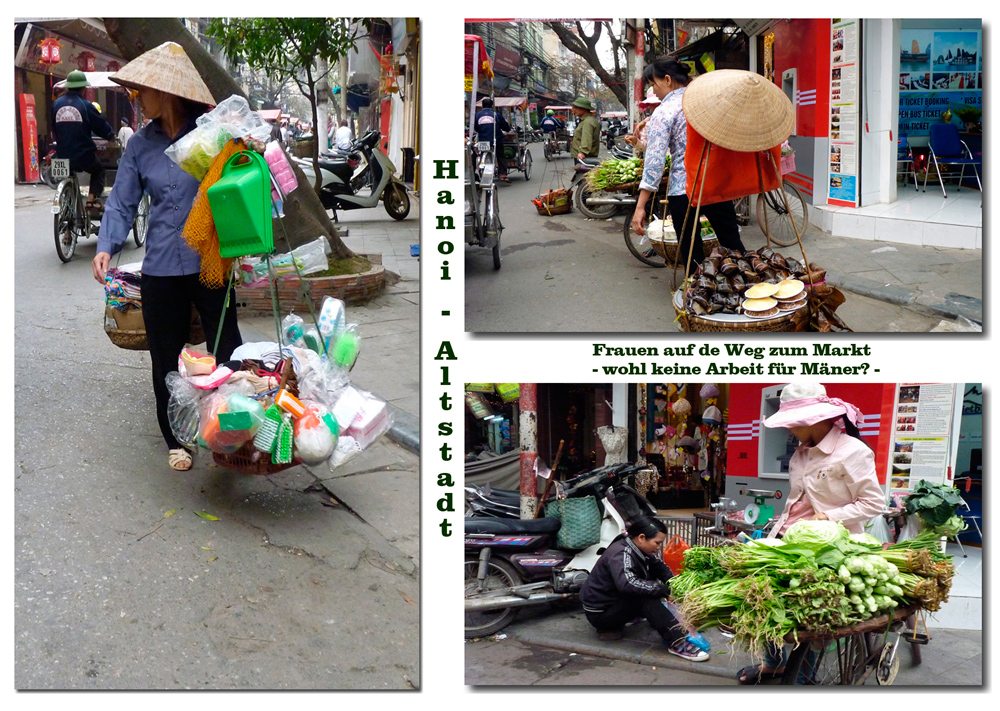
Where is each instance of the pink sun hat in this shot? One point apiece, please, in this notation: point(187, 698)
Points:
point(805, 404)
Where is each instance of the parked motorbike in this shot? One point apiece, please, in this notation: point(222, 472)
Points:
point(343, 183)
point(597, 205)
point(512, 563)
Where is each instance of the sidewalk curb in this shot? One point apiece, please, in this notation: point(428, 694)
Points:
point(953, 307)
point(405, 430)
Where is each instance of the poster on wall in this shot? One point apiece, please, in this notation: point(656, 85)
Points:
point(844, 92)
point(938, 70)
point(922, 431)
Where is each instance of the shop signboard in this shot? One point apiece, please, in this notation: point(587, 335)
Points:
point(843, 160)
point(508, 391)
point(29, 137)
point(922, 426)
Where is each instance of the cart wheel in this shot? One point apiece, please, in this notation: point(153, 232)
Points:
point(526, 165)
point(548, 152)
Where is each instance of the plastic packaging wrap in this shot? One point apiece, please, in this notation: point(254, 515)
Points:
point(281, 170)
point(332, 318)
point(309, 258)
point(232, 118)
point(211, 433)
point(183, 409)
point(362, 416)
point(316, 434)
point(345, 348)
point(293, 331)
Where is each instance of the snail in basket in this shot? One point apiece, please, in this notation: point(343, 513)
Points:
point(727, 278)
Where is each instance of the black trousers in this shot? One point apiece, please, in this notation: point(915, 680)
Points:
point(93, 166)
point(630, 607)
point(721, 215)
point(166, 310)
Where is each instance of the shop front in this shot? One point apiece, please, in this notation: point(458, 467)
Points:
point(866, 94)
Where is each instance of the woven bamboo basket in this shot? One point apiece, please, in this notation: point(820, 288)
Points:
point(249, 460)
point(784, 321)
point(668, 250)
point(133, 338)
point(554, 202)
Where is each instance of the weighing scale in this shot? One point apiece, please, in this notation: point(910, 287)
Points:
point(759, 513)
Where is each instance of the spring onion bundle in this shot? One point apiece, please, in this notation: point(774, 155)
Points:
point(817, 578)
point(614, 172)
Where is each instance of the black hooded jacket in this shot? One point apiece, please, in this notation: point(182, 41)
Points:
point(624, 570)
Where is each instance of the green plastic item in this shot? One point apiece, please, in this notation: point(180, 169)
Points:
point(264, 439)
point(241, 206)
point(282, 453)
point(230, 421)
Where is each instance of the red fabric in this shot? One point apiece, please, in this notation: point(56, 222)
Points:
point(730, 174)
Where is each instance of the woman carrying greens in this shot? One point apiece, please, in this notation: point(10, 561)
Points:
point(831, 477)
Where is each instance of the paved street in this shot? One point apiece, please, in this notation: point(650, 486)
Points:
point(547, 647)
point(309, 579)
point(577, 275)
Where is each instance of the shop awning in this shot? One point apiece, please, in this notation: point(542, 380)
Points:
point(506, 102)
point(270, 114)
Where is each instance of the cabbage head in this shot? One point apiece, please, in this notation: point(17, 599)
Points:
point(815, 534)
point(866, 539)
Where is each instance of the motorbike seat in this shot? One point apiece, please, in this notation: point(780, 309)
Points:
point(503, 494)
point(340, 168)
point(508, 526)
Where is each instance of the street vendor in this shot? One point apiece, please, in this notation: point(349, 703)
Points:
point(667, 133)
point(172, 94)
point(637, 139)
point(629, 581)
point(587, 136)
point(831, 477)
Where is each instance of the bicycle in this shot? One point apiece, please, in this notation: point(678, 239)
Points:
point(851, 656)
point(71, 220)
point(779, 229)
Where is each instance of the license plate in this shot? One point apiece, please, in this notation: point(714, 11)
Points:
point(483, 146)
point(60, 168)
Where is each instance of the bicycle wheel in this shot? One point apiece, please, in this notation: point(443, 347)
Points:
point(640, 247)
point(595, 212)
point(140, 225)
point(779, 217)
point(63, 221)
point(494, 226)
point(829, 662)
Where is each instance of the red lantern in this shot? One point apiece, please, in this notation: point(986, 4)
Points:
point(86, 62)
point(50, 51)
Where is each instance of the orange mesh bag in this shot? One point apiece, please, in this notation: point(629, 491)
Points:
point(199, 230)
point(673, 554)
point(729, 174)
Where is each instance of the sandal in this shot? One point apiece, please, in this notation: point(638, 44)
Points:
point(179, 460)
point(753, 675)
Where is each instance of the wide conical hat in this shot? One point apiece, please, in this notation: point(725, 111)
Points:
point(166, 68)
point(738, 110)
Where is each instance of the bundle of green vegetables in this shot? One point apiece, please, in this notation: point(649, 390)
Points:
point(818, 577)
point(614, 172)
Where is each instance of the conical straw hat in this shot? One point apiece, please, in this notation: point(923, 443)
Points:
point(738, 110)
point(168, 69)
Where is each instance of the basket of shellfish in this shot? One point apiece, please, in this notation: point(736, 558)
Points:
point(758, 290)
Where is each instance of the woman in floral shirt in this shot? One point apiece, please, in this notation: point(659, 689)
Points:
point(667, 133)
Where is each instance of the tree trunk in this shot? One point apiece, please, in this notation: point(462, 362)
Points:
point(585, 46)
point(305, 217)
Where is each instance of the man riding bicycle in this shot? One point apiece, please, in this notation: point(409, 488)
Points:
point(75, 119)
point(551, 122)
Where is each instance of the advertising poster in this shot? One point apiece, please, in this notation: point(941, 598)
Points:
point(938, 70)
point(922, 421)
point(844, 94)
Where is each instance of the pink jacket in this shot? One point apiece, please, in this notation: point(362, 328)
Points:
point(837, 477)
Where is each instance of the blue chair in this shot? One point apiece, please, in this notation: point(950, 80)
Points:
point(904, 161)
point(946, 147)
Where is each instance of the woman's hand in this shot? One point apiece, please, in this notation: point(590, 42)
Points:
point(638, 219)
point(820, 517)
point(100, 264)
point(631, 140)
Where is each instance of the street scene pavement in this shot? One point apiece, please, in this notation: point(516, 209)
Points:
point(306, 579)
point(580, 277)
point(560, 648)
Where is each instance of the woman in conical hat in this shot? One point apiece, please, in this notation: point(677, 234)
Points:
point(172, 94)
point(831, 477)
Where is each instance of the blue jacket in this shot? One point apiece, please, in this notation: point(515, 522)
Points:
point(486, 122)
point(550, 123)
point(75, 119)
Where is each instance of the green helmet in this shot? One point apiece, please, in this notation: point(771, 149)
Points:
point(550, 112)
point(76, 80)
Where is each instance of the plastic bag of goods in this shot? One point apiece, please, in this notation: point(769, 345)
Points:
point(228, 421)
point(362, 416)
point(308, 258)
point(316, 434)
point(184, 409)
point(232, 118)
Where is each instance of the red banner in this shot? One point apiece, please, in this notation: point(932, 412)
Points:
point(29, 137)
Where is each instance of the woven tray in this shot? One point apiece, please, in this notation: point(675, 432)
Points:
point(545, 203)
point(784, 321)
